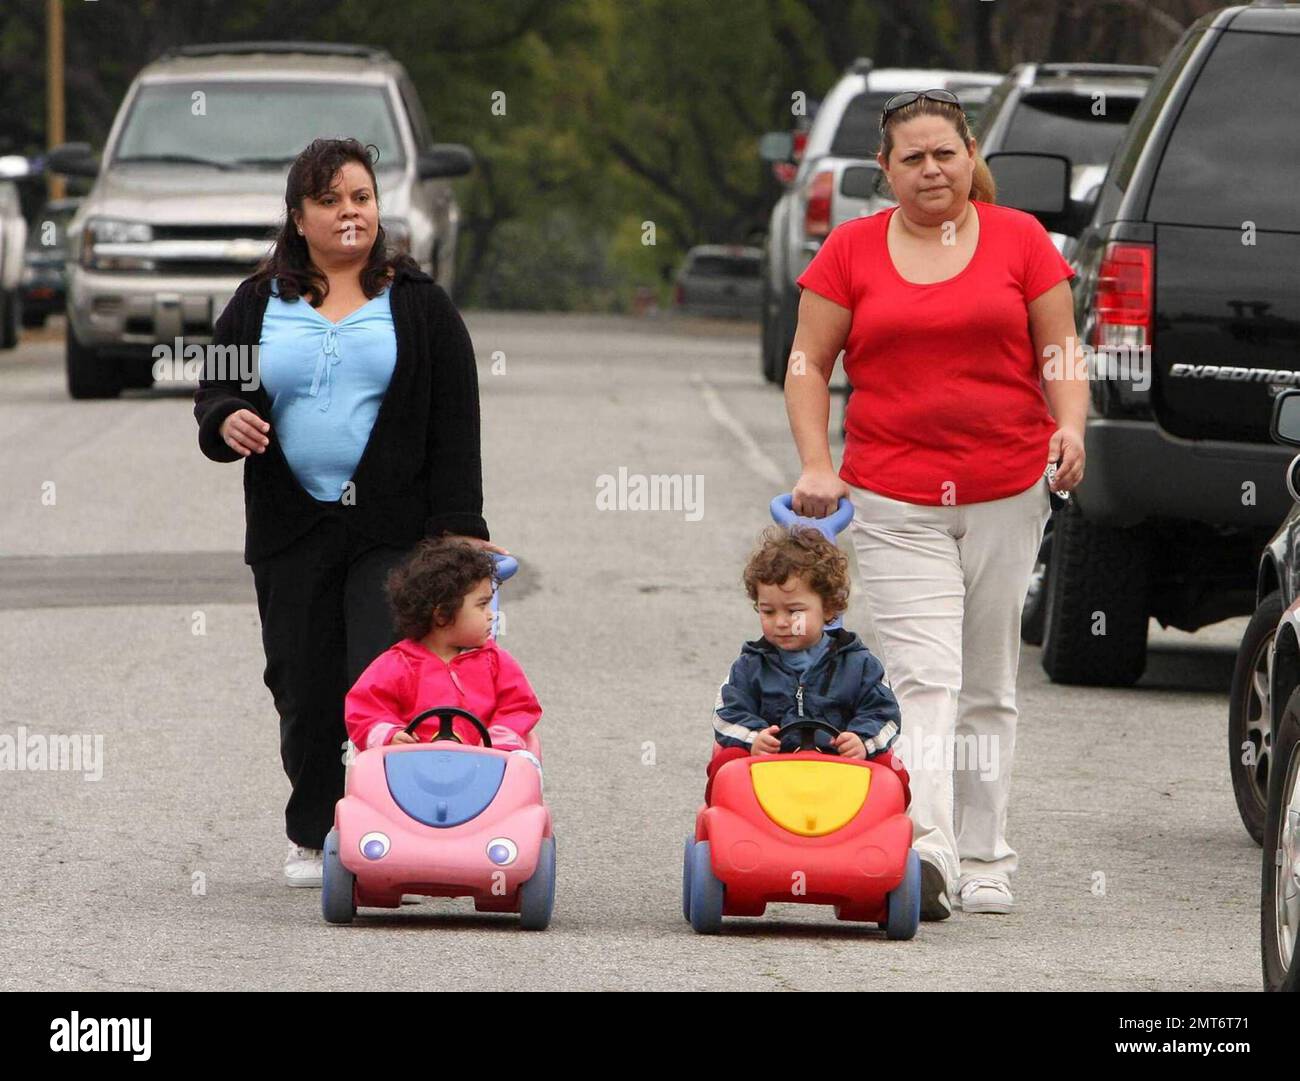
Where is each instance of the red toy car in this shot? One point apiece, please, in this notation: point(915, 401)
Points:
point(806, 827)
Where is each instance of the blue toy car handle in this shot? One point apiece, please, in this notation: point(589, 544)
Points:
point(445, 715)
point(783, 514)
point(506, 566)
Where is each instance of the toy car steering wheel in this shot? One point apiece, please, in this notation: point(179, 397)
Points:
point(445, 714)
point(808, 727)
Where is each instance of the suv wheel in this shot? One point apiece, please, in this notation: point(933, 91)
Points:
point(767, 331)
point(782, 337)
point(1279, 910)
point(1249, 721)
point(1033, 614)
point(9, 322)
point(1095, 623)
point(89, 374)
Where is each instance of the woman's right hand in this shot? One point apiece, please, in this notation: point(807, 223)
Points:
point(245, 432)
point(817, 494)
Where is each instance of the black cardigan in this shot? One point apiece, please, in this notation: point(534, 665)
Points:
point(420, 473)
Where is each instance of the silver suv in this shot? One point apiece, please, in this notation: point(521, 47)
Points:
point(191, 189)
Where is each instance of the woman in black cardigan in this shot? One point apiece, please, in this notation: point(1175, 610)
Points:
point(318, 563)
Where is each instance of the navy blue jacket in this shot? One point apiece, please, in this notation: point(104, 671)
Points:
point(845, 687)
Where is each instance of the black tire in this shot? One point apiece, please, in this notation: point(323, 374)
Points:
point(787, 318)
point(338, 885)
point(1034, 613)
point(1249, 721)
point(34, 318)
point(89, 374)
point(1280, 974)
point(767, 332)
point(137, 373)
point(1095, 571)
point(10, 321)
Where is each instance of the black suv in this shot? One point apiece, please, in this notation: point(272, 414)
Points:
point(1188, 290)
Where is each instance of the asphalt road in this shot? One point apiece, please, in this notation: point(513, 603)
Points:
point(119, 540)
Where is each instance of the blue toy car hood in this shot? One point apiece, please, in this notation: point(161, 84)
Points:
point(443, 788)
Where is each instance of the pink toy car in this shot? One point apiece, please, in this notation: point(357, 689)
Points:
point(442, 819)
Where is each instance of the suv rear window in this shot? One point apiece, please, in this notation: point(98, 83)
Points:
point(1236, 139)
point(1065, 124)
point(858, 135)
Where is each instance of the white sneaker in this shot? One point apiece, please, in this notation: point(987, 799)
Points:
point(986, 895)
point(303, 866)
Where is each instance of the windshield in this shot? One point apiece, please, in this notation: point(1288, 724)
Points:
point(1065, 124)
point(238, 124)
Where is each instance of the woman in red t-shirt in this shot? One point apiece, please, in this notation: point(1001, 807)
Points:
point(955, 317)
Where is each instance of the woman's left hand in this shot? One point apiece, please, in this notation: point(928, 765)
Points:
point(1066, 447)
point(478, 542)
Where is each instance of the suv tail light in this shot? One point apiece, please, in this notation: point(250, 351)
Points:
point(817, 210)
point(800, 141)
point(1125, 296)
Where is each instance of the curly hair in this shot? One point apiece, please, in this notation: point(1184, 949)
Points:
point(289, 260)
point(805, 553)
point(427, 589)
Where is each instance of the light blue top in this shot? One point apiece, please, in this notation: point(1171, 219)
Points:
point(803, 659)
point(326, 381)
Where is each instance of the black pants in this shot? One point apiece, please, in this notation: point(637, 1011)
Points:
point(324, 619)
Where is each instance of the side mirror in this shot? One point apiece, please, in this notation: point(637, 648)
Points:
point(859, 181)
point(444, 159)
point(776, 146)
point(1285, 426)
point(72, 159)
point(1038, 184)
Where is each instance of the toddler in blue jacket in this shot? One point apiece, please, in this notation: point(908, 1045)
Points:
point(799, 581)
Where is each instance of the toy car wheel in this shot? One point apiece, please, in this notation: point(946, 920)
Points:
point(537, 895)
point(707, 892)
point(338, 884)
point(903, 905)
point(686, 877)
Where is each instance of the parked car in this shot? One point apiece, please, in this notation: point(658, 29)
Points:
point(834, 182)
point(192, 185)
point(1271, 684)
point(1079, 110)
point(13, 237)
point(720, 280)
point(44, 280)
point(1188, 290)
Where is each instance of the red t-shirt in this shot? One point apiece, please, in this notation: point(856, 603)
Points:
point(947, 404)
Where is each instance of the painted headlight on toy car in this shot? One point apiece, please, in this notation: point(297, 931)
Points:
point(502, 851)
point(374, 846)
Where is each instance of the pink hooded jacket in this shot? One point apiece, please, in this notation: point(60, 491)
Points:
point(408, 679)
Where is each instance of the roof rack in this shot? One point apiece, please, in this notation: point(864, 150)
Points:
point(314, 48)
point(1095, 69)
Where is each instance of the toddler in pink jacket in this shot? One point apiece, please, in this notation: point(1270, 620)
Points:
point(441, 598)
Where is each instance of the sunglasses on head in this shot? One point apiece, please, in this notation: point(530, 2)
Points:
point(899, 101)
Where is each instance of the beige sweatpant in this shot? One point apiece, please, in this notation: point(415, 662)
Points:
point(945, 586)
